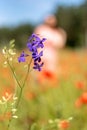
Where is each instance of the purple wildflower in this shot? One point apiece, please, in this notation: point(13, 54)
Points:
point(34, 43)
point(38, 66)
point(22, 57)
point(36, 56)
point(41, 43)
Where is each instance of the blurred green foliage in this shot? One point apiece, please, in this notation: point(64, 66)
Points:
point(20, 34)
point(74, 20)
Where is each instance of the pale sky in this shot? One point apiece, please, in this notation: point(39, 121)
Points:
point(14, 12)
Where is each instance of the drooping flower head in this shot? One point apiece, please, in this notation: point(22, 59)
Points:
point(33, 44)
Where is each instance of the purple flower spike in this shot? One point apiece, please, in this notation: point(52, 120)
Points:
point(34, 43)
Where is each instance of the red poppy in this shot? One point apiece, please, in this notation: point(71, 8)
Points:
point(47, 76)
point(64, 124)
point(84, 97)
point(80, 85)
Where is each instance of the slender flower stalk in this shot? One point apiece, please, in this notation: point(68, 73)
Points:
point(21, 87)
point(34, 44)
point(14, 74)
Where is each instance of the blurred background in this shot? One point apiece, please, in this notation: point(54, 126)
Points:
point(18, 19)
point(59, 95)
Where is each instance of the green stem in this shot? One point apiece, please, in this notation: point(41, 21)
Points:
point(19, 98)
point(21, 86)
point(14, 74)
point(24, 83)
point(27, 73)
point(9, 123)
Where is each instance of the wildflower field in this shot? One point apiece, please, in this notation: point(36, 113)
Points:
point(49, 105)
